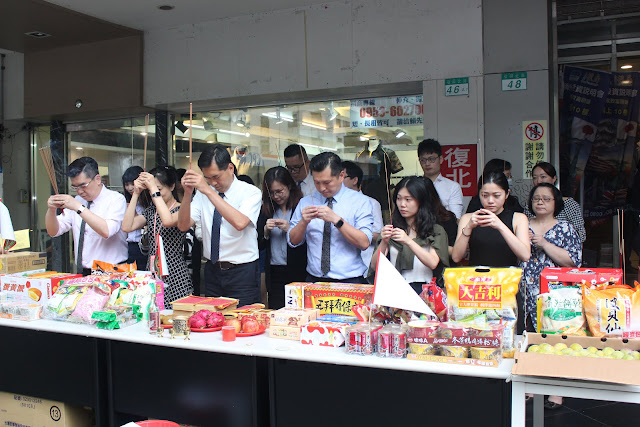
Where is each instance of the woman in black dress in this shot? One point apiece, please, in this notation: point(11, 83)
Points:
point(284, 264)
point(133, 238)
point(494, 235)
point(161, 218)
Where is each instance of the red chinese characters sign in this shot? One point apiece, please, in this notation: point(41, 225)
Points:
point(460, 165)
point(480, 295)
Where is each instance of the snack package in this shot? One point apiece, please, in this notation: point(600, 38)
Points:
point(612, 311)
point(93, 299)
point(63, 302)
point(100, 268)
point(119, 312)
point(560, 312)
point(483, 295)
point(436, 299)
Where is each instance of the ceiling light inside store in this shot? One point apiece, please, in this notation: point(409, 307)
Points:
point(364, 138)
point(242, 120)
point(79, 148)
point(143, 133)
point(278, 117)
point(318, 146)
point(627, 67)
point(400, 133)
point(233, 132)
point(333, 115)
point(313, 125)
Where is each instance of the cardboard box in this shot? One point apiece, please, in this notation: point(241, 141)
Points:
point(15, 262)
point(20, 410)
point(326, 334)
point(294, 294)
point(292, 317)
point(285, 332)
point(578, 276)
point(36, 288)
point(337, 298)
point(454, 360)
point(585, 368)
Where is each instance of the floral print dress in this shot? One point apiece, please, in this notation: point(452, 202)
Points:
point(564, 236)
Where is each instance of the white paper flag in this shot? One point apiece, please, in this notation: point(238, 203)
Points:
point(391, 290)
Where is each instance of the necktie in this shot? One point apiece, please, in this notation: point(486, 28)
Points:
point(325, 260)
point(81, 244)
point(215, 234)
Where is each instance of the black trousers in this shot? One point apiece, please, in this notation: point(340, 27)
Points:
point(278, 277)
point(241, 282)
point(136, 255)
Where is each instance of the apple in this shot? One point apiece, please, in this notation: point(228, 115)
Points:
point(250, 324)
point(608, 351)
point(635, 354)
point(560, 346)
point(628, 357)
point(583, 353)
point(233, 322)
point(599, 353)
point(567, 352)
point(592, 349)
point(576, 347)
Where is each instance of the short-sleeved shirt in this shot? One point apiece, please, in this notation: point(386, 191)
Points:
point(450, 194)
point(355, 209)
point(110, 206)
point(236, 246)
point(307, 186)
point(367, 254)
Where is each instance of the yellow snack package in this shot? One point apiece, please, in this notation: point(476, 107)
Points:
point(612, 310)
point(485, 293)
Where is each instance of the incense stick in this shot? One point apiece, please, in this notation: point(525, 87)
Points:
point(47, 159)
point(386, 180)
point(190, 133)
point(146, 134)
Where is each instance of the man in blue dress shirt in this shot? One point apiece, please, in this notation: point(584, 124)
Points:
point(336, 223)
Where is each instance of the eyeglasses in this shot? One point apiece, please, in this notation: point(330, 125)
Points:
point(295, 169)
point(276, 193)
point(425, 160)
point(82, 186)
point(537, 199)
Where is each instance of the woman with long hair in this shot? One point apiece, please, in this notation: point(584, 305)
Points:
point(414, 242)
point(444, 217)
point(134, 237)
point(161, 218)
point(283, 264)
point(571, 211)
point(494, 235)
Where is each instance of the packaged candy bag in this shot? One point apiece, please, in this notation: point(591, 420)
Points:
point(612, 310)
point(482, 294)
point(100, 268)
point(93, 299)
point(63, 302)
point(436, 299)
point(560, 311)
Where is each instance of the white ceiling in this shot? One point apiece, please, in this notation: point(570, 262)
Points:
point(145, 15)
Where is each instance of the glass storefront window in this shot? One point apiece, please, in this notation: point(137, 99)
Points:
point(256, 137)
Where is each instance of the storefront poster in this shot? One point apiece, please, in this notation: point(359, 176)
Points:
point(394, 111)
point(598, 126)
point(460, 165)
point(535, 147)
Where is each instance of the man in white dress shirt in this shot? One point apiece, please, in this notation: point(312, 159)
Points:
point(95, 216)
point(297, 162)
point(450, 192)
point(226, 209)
point(353, 180)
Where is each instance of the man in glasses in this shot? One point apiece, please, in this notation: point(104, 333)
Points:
point(226, 210)
point(297, 162)
point(450, 192)
point(95, 216)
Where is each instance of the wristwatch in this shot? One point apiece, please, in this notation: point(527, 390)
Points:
point(156, 194)
point(339, 223)
point(80, 209)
